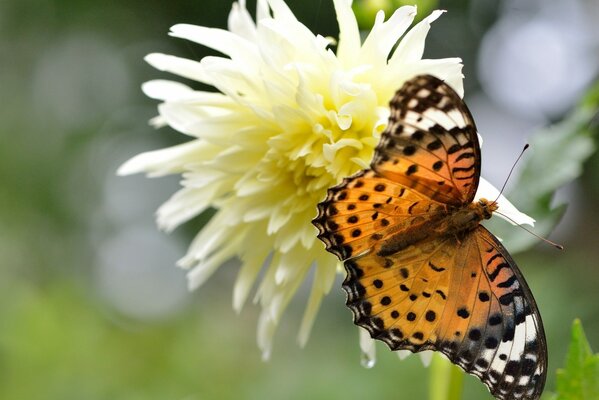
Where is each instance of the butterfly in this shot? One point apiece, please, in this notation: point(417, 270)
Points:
point(422, 273)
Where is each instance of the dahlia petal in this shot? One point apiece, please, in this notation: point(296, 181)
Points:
point(277, 220)
point(506, 210)
point(164, 90)
point(403, 354)
point(180, 66)
point(253, 137)
point(349, 34)
point(223, 41)
point(347, 88)
point(240, 21)
point(282, 12)
point(265, 332)
point(447, 69)
point(287, 118)
point(411, 47)
point(206, 268)
point(267, 285)
point(360, 162)
point(262, 10)
point(257, 213)
point(250, 185)
point(233, 161)
point(344, 121)
point(157, 122)
point(323, 42)
point(203, 178)
point(185, 119)
point(311, 103)
point(289, 236)
point(324, 278)
point(278, 303)
point(252, 263)
point(357, 111)
point(384, 35)
point(214, 234)
point(275, 297)
point(186, 204)
point(307, 237)
point(285, 270)
point(286, 44)
point(230, 79)
point(368, 347)
point(182, 118)
point(329, 150)
point(171, 160)
point(426, 357)
point(205, 104)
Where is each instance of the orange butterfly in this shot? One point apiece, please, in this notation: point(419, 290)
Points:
point(422, 273)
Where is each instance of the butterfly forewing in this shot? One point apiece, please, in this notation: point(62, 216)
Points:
point(430, 143)
point(366, 208)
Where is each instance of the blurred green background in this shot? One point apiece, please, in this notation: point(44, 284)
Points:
point(91, 304)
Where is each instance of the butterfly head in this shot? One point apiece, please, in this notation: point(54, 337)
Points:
point(487, 208)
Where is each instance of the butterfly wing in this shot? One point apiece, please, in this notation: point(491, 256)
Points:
point(519, 366)
point(462, 296)
point(430, 143)
point(365, 209)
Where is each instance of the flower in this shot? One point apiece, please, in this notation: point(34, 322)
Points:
point(290, 118)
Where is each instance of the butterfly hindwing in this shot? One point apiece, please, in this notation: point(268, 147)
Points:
point(462, 296)
point(519, 367)
point(399, 298)
point(430, 143)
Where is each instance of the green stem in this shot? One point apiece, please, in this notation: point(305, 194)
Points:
point(446, 380)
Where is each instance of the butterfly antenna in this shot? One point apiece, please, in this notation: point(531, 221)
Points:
point(557, 246)
point(511, 170)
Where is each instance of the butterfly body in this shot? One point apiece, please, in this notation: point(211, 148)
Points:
point(422, 272)
point(456, 222)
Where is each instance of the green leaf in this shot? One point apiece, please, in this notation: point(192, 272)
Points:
point(580, 379)
point(555, 158)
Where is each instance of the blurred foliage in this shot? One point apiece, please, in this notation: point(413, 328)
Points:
point(579, 380)
point(74, 112)
point(60, 343)
point(568, 145)
point(446, 379)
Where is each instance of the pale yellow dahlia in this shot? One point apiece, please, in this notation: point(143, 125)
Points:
point(293, 114)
